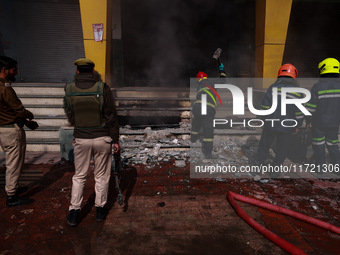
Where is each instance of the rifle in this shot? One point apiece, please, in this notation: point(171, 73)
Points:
point(116, 168)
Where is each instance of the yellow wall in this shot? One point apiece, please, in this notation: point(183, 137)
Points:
point(96, 12)
point(272, 19)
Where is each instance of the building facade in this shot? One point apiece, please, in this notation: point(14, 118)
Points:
point(145, 43)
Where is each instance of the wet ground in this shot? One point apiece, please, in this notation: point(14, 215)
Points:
point(165, 212)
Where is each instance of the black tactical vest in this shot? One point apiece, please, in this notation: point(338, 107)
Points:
point(86, 105)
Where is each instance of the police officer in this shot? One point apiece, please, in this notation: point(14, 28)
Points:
point(13, 116)
point(204, 87)
point(90, 107)
point(286, 78)
point(325, 108)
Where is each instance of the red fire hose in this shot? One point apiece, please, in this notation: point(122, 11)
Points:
point(231, 196)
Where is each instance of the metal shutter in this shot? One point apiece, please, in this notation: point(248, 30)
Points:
point(49, 38)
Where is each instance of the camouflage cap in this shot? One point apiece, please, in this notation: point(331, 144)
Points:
point(83, 62)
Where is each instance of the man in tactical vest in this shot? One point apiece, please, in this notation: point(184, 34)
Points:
point(324, 106)
point(90, 107)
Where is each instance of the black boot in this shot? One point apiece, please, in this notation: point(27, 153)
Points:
point(101, 213)
point(16, 201)
point(72, 217)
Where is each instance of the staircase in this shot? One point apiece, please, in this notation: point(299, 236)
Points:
point(136, 106)
point(45, 101)
point(152, 106)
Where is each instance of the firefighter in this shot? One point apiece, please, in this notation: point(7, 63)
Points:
point(204, 86)
point(286, 78)
point(324, 106)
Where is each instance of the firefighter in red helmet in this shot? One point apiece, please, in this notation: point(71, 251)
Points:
point(205, 122)
point(201, 76)
point(286, 78)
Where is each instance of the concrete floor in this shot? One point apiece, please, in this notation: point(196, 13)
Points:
point(164, 212)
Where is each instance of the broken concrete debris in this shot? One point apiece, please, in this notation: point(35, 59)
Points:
point(150, 146)
point(156, 149)
point(180, 163)
point(220, 179)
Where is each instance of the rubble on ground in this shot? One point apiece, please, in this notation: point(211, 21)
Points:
point(232, 148)
point(149, 146)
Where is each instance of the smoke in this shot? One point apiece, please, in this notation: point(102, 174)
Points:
point(167, 61)
point(175, 42)
point(168, 41)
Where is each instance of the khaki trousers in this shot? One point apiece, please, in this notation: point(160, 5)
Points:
point(101, 150)
point(13, 143)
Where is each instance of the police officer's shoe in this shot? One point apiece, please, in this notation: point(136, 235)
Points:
point(101, 213)
point(16, 201)
point(72, 217)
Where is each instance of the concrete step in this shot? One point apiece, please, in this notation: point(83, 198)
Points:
point(43, 132)
point(146, 92)
point(38, 85)
point(45, 100)
point(43, 144)
point(51, 120)
point(152, 102)
point(40, 112)
point(40, 94)
point(151, 111)
point(46, 109)
point(39, 91)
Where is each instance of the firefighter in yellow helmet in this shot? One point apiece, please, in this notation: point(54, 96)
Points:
point(325, 108)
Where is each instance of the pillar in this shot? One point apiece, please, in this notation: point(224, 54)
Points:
point(96, 12)
point(272, 19)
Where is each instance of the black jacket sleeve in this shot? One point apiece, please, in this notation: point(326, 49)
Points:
point(110, 114)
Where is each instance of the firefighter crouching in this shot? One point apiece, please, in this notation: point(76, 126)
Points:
point(325, 108)
point(286, 78)
point(204, 86)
